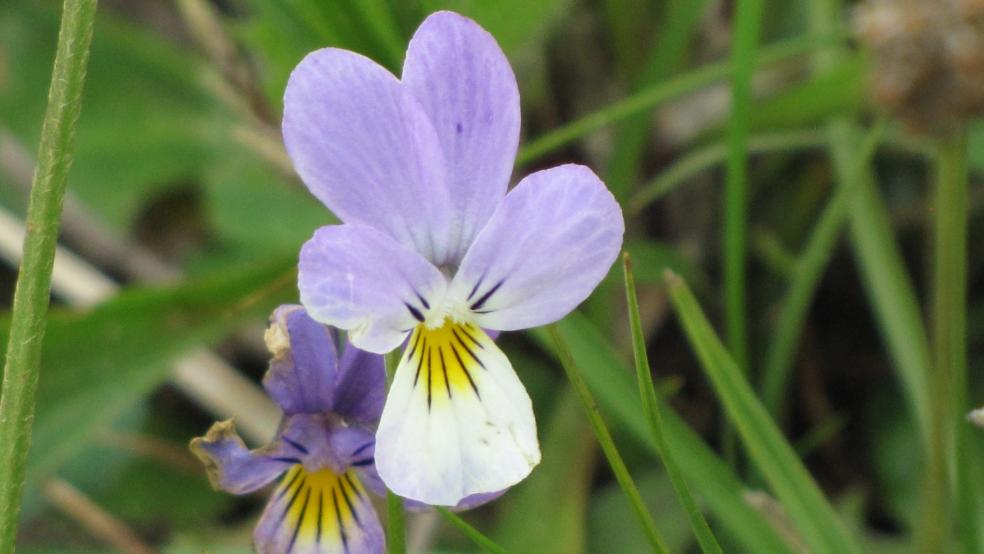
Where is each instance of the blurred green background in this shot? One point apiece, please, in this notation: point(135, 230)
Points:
point(182, 196)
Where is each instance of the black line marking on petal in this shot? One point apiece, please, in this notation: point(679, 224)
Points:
point(415, 312)
point(348, 502)
point(283, 491)
point(363, 463)
point(321, 501)
point(475, 288)
point(485, 297)
point(420, 362)
point(465, 369)
point(416, 343)
point(464, 330)
point(465, 346)
point(423, 301)
point(444, 369)
point(430, 370)
point(293, 498)
point(300, 521)
point(338, 517)
point(351, 483)
point(295, 444)
point(363, 448)
point(286, 459)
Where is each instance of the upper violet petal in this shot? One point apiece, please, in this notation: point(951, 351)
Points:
point(304, 370)
point(357, 278)
point(364, 146)
point(465, 84)
point(517, 276)
point(231, 466)
point(361, 386)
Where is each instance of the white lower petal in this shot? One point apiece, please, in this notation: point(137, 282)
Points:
point(457, 420)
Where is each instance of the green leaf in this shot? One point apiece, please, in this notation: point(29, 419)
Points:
point(805, 504)
point(545, 514)
point(99, 363)
point(715, 482)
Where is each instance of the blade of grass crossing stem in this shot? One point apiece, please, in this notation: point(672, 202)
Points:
point(747, 25)
point(655, 95)
point(31, 297)
point(803, 501)
point(605, 441)
point(475, 535)
point(808, 270)
point(949, 345)
point(647, 390)
point(396, 525)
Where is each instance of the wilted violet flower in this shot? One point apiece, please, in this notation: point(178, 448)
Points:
point(324, 448)
point(432, 249)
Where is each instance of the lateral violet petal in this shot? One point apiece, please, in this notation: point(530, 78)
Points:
point(521, 276)
point(357, 278)
point(465, 84)
point(304, 369)
point(231, 466)
point(364, 146)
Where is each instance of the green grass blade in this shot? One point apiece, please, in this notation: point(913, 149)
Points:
point(605, 440)
point(647, 391)
point(715, 481)
point(475, 535)
point(653, 96)
point(808, 270)
point(747, 26)
point(396, 527)
point(805, 504)
point(31, 297)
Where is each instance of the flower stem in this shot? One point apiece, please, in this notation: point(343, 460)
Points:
point(396, 525)
point(31, 297)
point(605, 440)
point(475, 535)
point(644, 376)
point(948, 377)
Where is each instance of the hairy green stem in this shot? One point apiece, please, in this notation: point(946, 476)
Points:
point(650, 402)
point(949, 317)
point(31, 297)
point(604, 437)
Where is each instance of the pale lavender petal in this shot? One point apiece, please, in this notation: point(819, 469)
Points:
point(465, 84)
point(304, 370)
point(364, 146)
point(362, 385)
point(234, 468)
point(520, 275)
point(468, 503)
point(319, 512)
point(357, 278)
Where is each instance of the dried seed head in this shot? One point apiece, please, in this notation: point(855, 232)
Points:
point(928, 59)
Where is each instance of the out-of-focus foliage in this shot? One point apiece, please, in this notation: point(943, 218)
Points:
point(184, 162)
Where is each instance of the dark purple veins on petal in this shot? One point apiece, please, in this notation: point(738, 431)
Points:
point(485, 297)
point(414, 312)
point(298, 446)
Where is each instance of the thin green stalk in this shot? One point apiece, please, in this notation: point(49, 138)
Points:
point(396, 525)
point(809, 268)
point(949, 339)
point(748, 22)
point(653, 96)
point(28, 315)
point(708, 156)
point(647, 390)
point(605, 440)
point(475, 535)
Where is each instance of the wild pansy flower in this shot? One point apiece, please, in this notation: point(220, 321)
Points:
point(324, 449)
point(433, 251)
